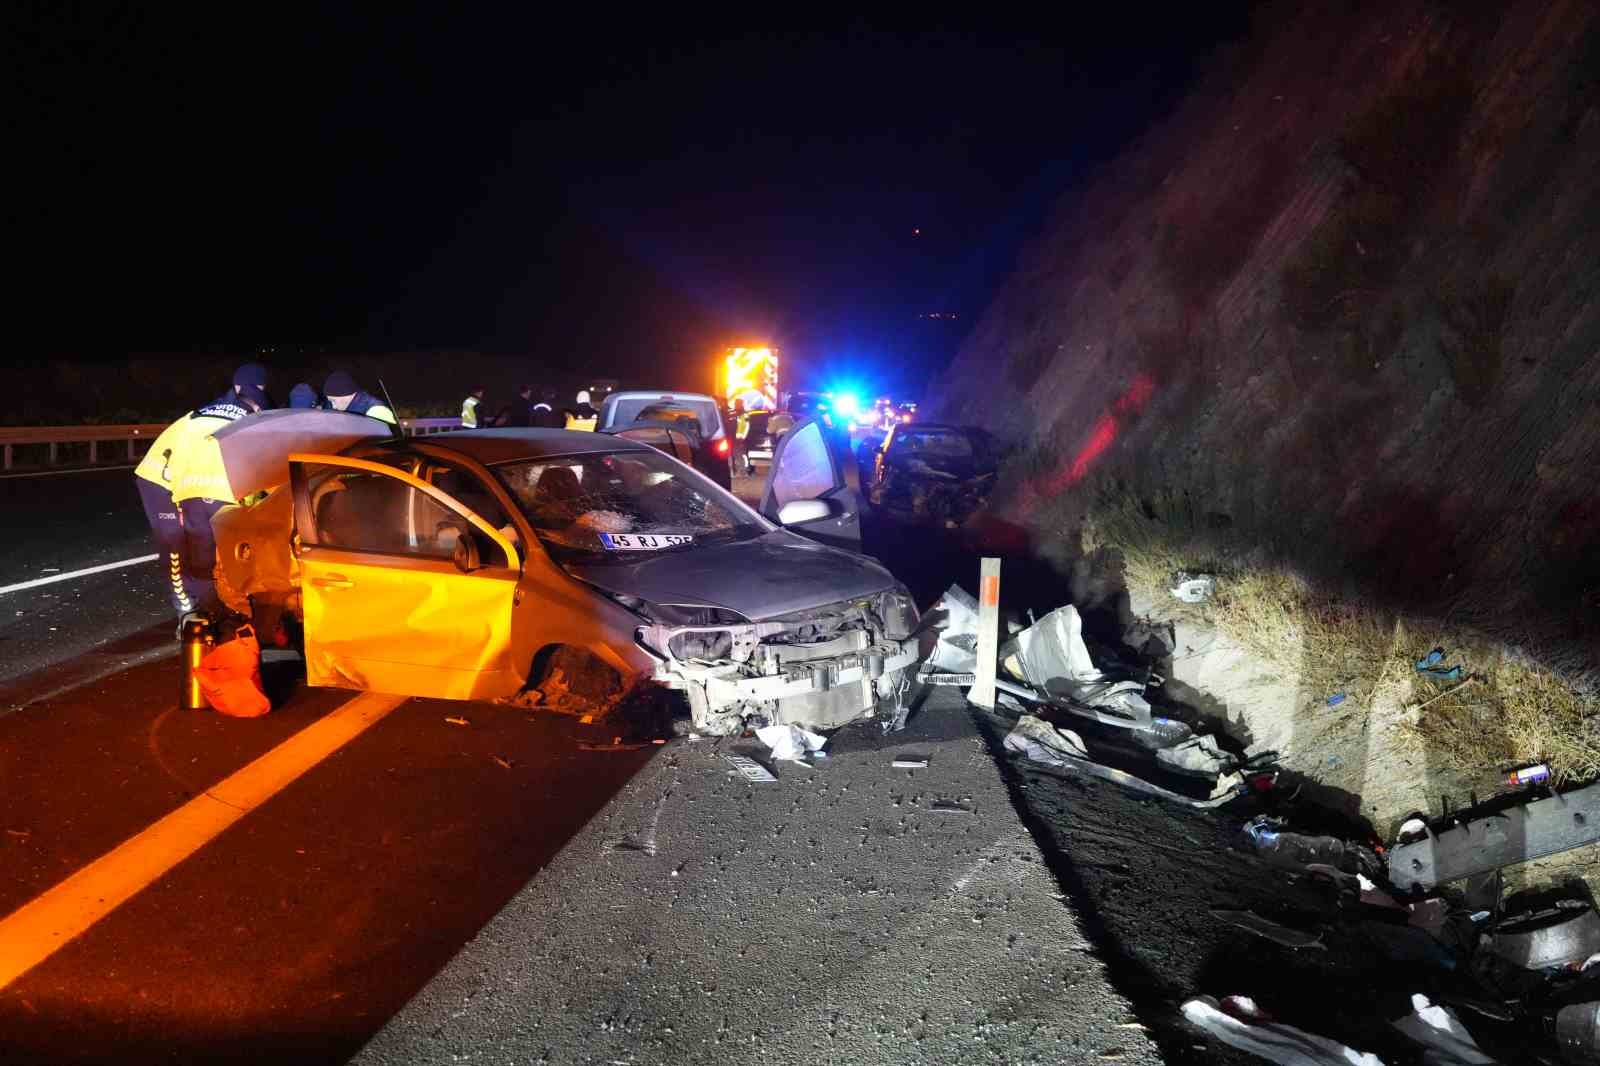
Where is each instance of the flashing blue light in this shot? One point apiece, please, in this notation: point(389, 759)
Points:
point(846, 403)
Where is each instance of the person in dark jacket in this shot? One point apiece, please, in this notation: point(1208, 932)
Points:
point(520, 410)
point(302, 397)
point(545, 415)
point(343, 394)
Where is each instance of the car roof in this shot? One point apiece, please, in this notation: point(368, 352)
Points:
point(491, 446)
point(659, 394)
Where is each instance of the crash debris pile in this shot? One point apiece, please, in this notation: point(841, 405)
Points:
point(1502, 979)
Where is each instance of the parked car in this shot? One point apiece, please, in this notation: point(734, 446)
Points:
point(462, 565)
point(938, 472)
point(711, 441)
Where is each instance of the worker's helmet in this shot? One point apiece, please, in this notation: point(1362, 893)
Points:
point(583, 395)
point(339, 383)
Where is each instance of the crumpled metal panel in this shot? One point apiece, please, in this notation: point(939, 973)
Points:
point(1531, 831)
point(1564, 939)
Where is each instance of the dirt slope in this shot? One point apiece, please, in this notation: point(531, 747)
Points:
point(1344, 295)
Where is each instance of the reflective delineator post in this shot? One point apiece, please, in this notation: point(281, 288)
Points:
point(981, 693)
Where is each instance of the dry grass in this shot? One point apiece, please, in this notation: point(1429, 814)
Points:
point(1518, 713)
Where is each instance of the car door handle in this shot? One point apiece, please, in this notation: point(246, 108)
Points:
point(333, 581)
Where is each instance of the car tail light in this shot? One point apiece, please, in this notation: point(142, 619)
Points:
point(722, 447)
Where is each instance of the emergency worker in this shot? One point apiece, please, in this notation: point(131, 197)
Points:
point(302, 397)
point(343, 394)
point(520, 412)
point(583, 417)
point(741, 433)
point(170, 477)
point(469, 409)
point(545, 415)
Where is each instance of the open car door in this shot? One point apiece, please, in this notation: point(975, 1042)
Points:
point(405, 589)
point(806, 490)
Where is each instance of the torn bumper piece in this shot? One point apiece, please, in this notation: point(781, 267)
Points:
point(761, 676)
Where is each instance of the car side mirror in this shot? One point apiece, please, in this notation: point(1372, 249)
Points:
point(465, 555)
point(798, 512)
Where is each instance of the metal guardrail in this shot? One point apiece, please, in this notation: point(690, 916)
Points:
point(12, 437)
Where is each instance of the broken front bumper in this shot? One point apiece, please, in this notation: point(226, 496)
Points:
point(821, 685)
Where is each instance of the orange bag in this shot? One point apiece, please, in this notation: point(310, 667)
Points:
point(230, 676)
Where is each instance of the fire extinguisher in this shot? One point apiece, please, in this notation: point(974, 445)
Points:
point(198, 639)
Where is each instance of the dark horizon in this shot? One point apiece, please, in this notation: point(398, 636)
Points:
point(593, 196)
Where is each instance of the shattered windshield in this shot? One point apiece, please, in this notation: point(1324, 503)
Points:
point(623, 506)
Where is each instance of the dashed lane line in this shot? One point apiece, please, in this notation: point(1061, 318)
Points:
point(72, 574)
point(74, 470)
point(43, 926)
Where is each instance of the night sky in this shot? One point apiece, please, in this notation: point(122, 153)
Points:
point(615, 193)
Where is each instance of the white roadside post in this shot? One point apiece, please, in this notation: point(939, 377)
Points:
point(981, 693)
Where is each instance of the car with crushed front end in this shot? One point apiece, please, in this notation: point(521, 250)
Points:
point(480, 564)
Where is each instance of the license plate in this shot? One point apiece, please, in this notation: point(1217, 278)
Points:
point(643, 542)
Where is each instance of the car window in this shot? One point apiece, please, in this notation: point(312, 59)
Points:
point(623, 506)
point(358, 510)
point(465, 487)
point(944, 444)
point(806, 471)
point(623, 411)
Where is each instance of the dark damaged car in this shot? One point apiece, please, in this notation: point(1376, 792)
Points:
point(933, 472)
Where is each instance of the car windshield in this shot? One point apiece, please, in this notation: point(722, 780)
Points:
point(943, 443)
point(623, 506)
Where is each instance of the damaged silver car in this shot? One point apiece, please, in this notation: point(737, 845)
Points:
point(486, 564)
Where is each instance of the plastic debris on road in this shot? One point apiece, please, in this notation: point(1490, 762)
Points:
point(1193, 588)
point(1199, 756)
point(1528, 775)
point(910, 762)
point(790, 743)
point(1239, 1023)
point(956, 651)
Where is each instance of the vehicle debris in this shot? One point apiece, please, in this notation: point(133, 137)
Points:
point(1517, 834)
point(1193, 588)
point(1578, 1033)
point(1239, 1023)
point(1298, 851)
point(504, 764)
point(1270, 930)
point(1198, 756)
point(910, 762)
point(1438, 1029)
point(749, 769)
point(936, 473)
point(790, 743)
point(1051, 656)
point(1042, 742)
point(1550, 937)
point(455, 720)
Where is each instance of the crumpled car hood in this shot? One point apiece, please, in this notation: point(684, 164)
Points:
point(761, 578)
point(955, 467)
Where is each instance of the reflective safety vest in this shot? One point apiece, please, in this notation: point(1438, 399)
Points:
point(469, 412)
point(367, 404)
point(184, 461)
point(585, 425)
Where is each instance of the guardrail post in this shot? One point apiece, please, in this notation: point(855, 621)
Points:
point(94, 452)
point(131, 441)
point(8, 457)
point(52, 453)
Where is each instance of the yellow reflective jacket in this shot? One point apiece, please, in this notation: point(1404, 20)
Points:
point(185, 461)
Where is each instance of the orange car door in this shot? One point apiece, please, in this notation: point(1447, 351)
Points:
point(405, 589)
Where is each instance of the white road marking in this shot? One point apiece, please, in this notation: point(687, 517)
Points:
point(70, 574)
point(75, 470)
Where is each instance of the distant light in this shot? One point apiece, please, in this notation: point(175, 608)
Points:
point(846, 403)
point(916, 233)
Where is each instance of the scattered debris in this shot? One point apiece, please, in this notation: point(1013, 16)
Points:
point(617, 746)
point(791, 743)
point(1193, 588)
point(1052, 657)
point(1239, 1023)
point(1198, 756)
point(1040, 741)
point(910, 762)
point(1336, 699)
point(951, 807)
point(1278, 934)
point(1530, 831)
point(1432, 659)
point(957, 649)
point(1470, 679)
point(453, 720)
point(504, 764)
point(1439, 1030)
point(1297, 851)
point(750, 770)
point(1554, 936)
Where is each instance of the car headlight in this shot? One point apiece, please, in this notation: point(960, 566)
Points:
point(898, 612)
